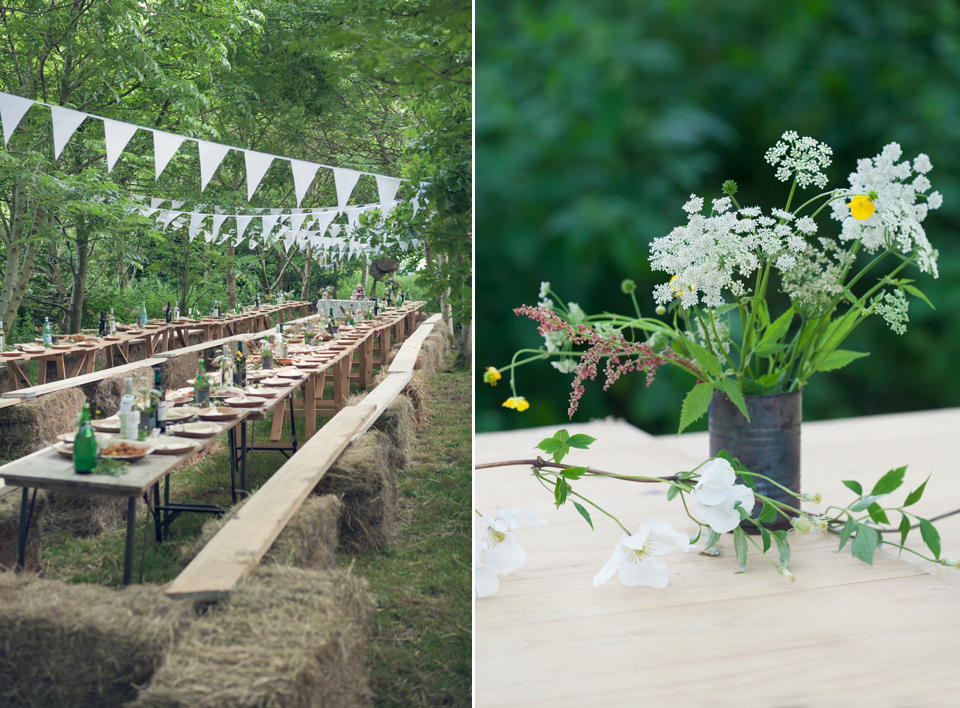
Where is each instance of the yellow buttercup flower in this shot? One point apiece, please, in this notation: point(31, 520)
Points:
point(518, 403)
point(491, 376)
point(861, 207)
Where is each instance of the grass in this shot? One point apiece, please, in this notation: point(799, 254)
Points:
point(420, 654)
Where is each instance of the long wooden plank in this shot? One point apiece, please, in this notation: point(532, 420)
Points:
point(406, 358)
point(80, 380)
point(230, 555)
point(383, 395)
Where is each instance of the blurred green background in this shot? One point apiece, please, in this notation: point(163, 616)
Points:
point(596, 121)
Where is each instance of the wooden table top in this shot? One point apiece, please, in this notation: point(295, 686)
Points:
point(844, 633)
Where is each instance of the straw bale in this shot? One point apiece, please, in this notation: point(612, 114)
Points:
point(177, 370)
point(87, 514)
point(104, 396)
point(367, 485)
point(10, 530)
point(34, 424)
point(81, 645)
point(416, 391)
point(399, 422)
point(309, 540)
point(288, 637)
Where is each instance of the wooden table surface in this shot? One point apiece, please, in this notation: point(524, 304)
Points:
point(845, 633)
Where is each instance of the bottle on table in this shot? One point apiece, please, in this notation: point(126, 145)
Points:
point(111, 323)
point(376, 307)
point(240, 367)
point(143, 314)
point(201, 385)
point(47, 332)
point(216, 308)
point(85, 444)
point(102, 329)
point(3, 337)
point(129, 424)
point(161, 401)
point(256, 302)
point(169, 313)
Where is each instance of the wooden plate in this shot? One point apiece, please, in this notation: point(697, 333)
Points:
point(181, 413)
point(62, 346)
point(107, 425)
point(65, 449)
point(218, 413)
point(261, 392)
point(244, 402)
point(102, 438)
point(194, 430)
point(276, 382)
point(11, 355)
point(134, 331)
point(113, 338)
point(170, 445)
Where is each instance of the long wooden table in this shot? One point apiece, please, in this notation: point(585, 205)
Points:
point(845, 633)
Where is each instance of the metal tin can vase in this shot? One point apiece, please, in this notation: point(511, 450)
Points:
point(767, 444)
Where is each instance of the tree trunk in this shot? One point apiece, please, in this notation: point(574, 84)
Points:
point(365, 271)
point(20, 257)
point(82, 265)
point(231, 280)
point(307, 268)
point(185, 278)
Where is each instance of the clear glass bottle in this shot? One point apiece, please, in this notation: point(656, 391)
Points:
point(47, 332)
point(128, 424)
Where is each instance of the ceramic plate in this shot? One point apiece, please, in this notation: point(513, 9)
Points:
point(218, 413)
point(128, 450)
point(169, 445)
point(194, 430)
point(276, 382)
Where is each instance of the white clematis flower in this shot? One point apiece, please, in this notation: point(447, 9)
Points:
point(496, 551)
point(635, 557)
point(716, 495)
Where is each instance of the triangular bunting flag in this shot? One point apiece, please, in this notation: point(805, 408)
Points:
point(303, 174)
point(65, 124)
point(165, 146)
point(345, 181)
point(296, 221)
point(116, 135)
point(242, 222)
point(196, 223)
point(387, 189)
point(353, 213)
point(323, 220)
point(168, 216)
point(257, 164)
point(12, 110)
point(268, 223)
point(218, 220)
point(211, 155)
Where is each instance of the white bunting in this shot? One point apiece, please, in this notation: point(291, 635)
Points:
point(303, 174)
point(196, 223)
point(387, 189)
point(65, 124)
point(165, 146)
point(169, 216)
point(353, 213)
point(296, 221)
point(268, 223)
point(12, 110)
point(242, 222)
point(257, 164)
point(323, 220)
point(345, 181)
point(155, 202)
point(116, 135)
point(211, 155)
point(218, 220)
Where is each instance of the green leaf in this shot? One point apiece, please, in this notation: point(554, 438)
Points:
point(765, 535)
point(695, 404)
point(584, 513)
point(865, 543)
point(744, 514)
point(768, 343)
point(712, 539)
point(672, 492)
point(853, 486)
point(580, 441)
point(560, 491)
point(734, 393)
point(767, 514)
point(878, 514)
point(740, 546)
point(561, 436)
point(889, 482)
point(574, 473)
point(561, 453)
point(931, 537)
point(839, 359)
point(904, 528)
point(549, 445)
point(914, 496)
point(783, 547)
point(865, 502)
point(914, 291)
point(707, 360)
point(845, 532)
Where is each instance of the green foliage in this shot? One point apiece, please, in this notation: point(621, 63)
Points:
point(595, 122)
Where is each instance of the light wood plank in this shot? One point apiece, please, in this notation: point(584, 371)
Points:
point(383, 394)
point(230, 556)
point(406, 358)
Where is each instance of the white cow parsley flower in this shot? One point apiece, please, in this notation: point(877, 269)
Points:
point(635, 557)
point(716, 495)
point(803, 157)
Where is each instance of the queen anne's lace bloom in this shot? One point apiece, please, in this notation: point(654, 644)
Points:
point(803, 157)
point(635, 557)
point(900, 204)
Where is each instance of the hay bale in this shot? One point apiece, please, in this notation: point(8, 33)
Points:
point(87, 514)
point(366, 483)
point(416, 391)
point(34, 424)
point(81, 645)
point(10, 531)
point(432, 352)
point(399, 422)
point(177, 370)
point(288, 637)
point(309, 540)
point(104, 396)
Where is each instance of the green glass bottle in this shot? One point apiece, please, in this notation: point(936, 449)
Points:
point(85, 444)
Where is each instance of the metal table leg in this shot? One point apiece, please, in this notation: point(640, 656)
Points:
point(26, 513)
point(131, 533)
